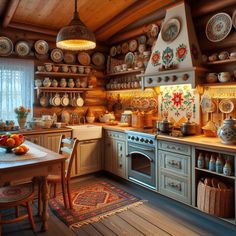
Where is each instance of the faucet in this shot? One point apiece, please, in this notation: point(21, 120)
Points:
point(83, 119)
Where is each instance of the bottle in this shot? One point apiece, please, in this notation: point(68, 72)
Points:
point(219, 165)
point(227, 168)
point(207, 160)
point(212, 163)
point(200, 161)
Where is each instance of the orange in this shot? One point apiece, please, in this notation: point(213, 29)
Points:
point(15, 136)
point(10, 142)
point(25, 148)
point(19, 150)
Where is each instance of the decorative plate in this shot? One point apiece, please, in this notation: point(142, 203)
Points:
point(142, 39)
point(226, 106)
point(57, 55)
point(154, 30)
point(84, 58)
point(129, 58)
point(234, 19)
point(170, 30)
point(218, 27)
point(113, 51)
point(69, 58)
point(118, 49)
point(6, 46)
point(41, 47)
point(22, 48)
point(98, 59)
point(133, 45)
point(125, 47)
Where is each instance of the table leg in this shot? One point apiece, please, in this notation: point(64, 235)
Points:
point(45, 197)
point(63, 183)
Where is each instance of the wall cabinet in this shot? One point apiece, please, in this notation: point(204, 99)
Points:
point(175, 170)
point(115, 153)
point(89, 155)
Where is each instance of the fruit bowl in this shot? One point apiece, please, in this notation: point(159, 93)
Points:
point(20, 150)
point(10, 141)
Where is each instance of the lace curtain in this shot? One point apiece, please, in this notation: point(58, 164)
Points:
point(16, 86)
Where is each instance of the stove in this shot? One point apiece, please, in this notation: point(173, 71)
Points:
point(142, 157)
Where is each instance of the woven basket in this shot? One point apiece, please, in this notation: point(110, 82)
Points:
point(215, 201)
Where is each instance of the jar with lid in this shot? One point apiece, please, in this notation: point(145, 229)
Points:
point(227, 132)
point(63, 83)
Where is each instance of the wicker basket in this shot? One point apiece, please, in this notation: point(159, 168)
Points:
point(215, 201)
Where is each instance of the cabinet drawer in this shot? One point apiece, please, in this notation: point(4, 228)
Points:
point(175, 187)
point(114, 134)
point(180, 164)
point(175, 147)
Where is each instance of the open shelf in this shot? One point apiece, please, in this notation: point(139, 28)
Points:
point(222, 62)
point(60, 89)
point(215, 173)
point(59, 74)
point(125, 72)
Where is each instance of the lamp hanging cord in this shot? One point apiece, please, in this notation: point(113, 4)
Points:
point(75, 7)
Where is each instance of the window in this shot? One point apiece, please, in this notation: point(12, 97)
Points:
point(16, 86)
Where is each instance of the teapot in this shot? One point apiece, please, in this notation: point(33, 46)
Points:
point(227, 132)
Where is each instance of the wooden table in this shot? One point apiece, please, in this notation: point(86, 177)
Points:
point(51, 163)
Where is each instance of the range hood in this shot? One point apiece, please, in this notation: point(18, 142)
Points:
point(176, 56)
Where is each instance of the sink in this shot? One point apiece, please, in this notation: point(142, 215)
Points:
point(86, 132)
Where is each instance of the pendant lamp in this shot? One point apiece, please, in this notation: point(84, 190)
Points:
point(76, 36)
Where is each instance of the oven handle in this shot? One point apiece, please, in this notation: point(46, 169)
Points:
point(144, 149)
point(129, 155)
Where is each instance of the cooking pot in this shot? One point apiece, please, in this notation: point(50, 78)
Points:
point(188, 128)
point(165, 126)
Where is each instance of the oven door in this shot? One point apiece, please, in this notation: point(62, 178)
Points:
point(142, 165)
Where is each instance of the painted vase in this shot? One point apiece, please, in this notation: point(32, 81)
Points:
point(212, 164)
point(227, 170)
point(21, 122)
point(200, 161)
point(219, 165)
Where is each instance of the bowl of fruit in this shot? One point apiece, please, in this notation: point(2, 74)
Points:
point(20, 150)
point(9, 141)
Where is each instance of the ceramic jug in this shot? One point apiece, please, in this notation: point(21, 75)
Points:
point(54, 83)
point(63, 83)
point(227, 132)
point(47, 82)
point(71, 83)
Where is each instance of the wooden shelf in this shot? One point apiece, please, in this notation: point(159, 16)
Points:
point(125, 72)
point(118, 90)
point(215, 173)
point(59, 74)
point(64, 64)
point(60, 89)
point(219, 84)
point(222, 62)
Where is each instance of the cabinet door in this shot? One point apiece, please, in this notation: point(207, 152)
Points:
point(89, 157)
point(119, 160)
point(51, 141)
point(34, 139)
point(108, 146)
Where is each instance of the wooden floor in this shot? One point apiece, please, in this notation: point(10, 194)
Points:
point(160, 216)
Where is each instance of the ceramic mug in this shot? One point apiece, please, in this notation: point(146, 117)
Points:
point(65, 68)
point(223, 55)
point(224, 77)
point(212, 78)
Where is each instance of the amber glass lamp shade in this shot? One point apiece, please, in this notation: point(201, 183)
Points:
point(76, 36)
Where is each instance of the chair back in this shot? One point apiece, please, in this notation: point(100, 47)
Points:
point(71, 150)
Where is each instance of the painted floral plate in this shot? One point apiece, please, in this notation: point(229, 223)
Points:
point(69, 58)
point(84, 58)
point(170, 30)
point(113, 51)
point(129, 59)
point(6, 46)
point(133, 45)
point(57, 55)
point(218, 27)
point(22, 48)
point(98, 59)
point(41, 47)
point(226, 106)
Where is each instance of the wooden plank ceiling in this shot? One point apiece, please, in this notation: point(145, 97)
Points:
point(104, 17)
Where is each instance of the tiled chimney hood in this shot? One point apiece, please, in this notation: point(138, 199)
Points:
point(176, 55)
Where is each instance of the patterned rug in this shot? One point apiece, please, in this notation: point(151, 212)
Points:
point(93, 202)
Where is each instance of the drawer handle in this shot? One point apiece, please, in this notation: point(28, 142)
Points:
point(174, 185)
point(175, 164)
point(174, 148)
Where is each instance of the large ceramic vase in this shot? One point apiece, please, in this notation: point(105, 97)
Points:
point(21, 122)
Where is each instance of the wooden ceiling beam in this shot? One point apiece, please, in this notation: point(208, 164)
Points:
point(32, 28)
point(11, 8)
point(130, 15)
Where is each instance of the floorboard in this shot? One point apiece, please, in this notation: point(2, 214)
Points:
point(103, 229)
point(89, 230)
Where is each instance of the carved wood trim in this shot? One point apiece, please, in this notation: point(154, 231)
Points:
point(11, 8)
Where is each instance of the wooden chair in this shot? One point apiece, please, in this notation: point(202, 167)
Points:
point(15, 196)
point(53, 180)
